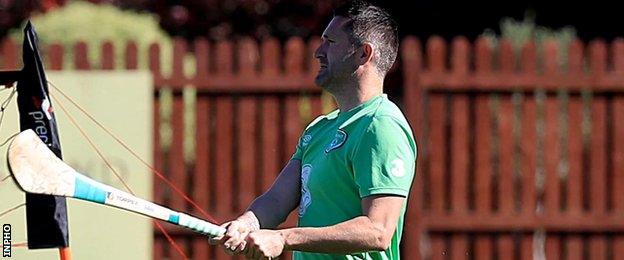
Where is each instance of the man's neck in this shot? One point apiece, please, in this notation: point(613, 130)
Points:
point(364, 91)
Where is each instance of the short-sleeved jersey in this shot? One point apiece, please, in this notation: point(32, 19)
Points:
point(346, 156)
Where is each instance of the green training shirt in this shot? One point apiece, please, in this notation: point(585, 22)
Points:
point(346, 156)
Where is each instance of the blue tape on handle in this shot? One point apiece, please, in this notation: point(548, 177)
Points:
point(87, 191)
point(174, 218)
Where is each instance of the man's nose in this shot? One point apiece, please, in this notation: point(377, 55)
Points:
point(319, 52)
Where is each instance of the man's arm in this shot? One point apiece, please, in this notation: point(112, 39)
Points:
point(273, 207)
point(371, 232)
point(267, 211)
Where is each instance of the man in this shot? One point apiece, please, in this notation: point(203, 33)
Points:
point(352, 169)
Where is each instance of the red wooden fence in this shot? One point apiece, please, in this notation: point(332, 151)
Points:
point(518, 157)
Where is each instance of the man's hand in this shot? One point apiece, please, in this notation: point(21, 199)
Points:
point(263, 244)
point(233, 241)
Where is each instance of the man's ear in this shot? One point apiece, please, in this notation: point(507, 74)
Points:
point(367, 53)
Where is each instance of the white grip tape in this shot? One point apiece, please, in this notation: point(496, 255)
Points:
point(201, 226)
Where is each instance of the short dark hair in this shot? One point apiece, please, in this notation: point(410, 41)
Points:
point(370, 23)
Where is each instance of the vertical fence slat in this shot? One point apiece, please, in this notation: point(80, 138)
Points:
point(598, 173)
point(201, 177)
point(270, 153)
point(176, 156)
point(158, 152)
point(437, 169)
point(483, 56)
point(9, 55)
point(55, 56)
point(597, 60)
point(574, 247)
point(295, 50)
point(618, 155)
point(248, 57)
point(553, 247)
point(178, 78)
point(459, 150)
point(575, 156)
point(154, 64)
point(597, 247)
point(223, 58)
point(505, 245)
point(617, 152)
point(529, 58)
point(413, 100)
point(108, 56)
point(159, 248)
point(223, 162)
point(459, 171)
point(598, 147)
point(528, 156)
point(437, 141)
point(460, 56)
point(202, 59)
point(81, 57)
point(618, 247)
point(459, 247)
point(526, 247)
point(414, 107)
point(483, 247)
point(246, 152)
point(131, 59)
point(552, 185)
point(293, 127)
point(438, 247)
point(482, 124)
point(617, 49)
point(575, 58)
point(270, 57)
point(436, 54)
point(507, 57)
point(506, 197)
point(482, 144)
point(201, 249)
point(157, 184)
point(551, 66)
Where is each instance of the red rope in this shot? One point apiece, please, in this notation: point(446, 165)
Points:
point(170, 239)
point(11, 209)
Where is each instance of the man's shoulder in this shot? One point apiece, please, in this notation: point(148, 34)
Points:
point(387, 113)
point(320, 120)
point(387, 108)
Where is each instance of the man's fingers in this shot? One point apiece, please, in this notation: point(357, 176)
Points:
point(240, 247)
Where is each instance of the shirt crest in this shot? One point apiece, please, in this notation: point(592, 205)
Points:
point(339, 139)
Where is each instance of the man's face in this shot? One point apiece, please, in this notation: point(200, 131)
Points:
point(336, 55)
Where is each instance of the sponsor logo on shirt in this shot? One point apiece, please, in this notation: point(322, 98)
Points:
point(306, 140)
point(339, 139)
point(306, 197)
point(398, 168)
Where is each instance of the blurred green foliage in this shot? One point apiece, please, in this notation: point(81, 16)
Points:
point(95, 24)
point(521, 32)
